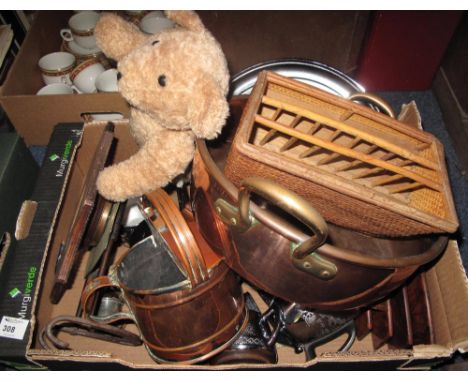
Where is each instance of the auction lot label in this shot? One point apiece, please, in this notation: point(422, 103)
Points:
point(13, 327)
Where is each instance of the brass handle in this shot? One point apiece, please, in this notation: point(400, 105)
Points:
point(302, 256)
point(372, 98)
point(289, 202)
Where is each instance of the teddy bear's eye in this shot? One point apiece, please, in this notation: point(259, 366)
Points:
point(162, 80)
point(155, 42)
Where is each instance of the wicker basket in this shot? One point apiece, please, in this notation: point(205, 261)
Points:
point(360, 169)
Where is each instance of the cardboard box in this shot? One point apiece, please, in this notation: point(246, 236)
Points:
point(18, 281)
point(247, 37)
point(447, 285)
point(35, 117)
point(28, 112)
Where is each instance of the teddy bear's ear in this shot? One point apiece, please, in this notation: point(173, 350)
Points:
point(117, 37)
point(209, 111)
point(186, 19)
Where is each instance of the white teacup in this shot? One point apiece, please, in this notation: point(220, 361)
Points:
point(107, 81)
point(81, 29)
point(84, 75)
point(152, 23)
point(54, 89)
point(56, 67)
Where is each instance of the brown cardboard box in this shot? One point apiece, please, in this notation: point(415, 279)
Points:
point(447, 285)
point(34, 117)
point(30, 113)
point(247, 37)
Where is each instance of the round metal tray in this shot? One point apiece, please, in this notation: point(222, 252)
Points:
point(310, 72)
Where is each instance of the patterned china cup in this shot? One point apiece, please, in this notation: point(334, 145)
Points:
point(85, 74)
point(56, 67)
point(107, 81)
point(81, 29)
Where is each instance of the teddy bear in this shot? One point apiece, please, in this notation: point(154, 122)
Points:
point(175, 82)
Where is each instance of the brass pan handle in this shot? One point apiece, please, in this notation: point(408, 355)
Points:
point(302, 256)
point(289, 202)
point(375, 99)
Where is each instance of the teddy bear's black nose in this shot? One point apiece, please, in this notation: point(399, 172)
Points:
point(119, 76)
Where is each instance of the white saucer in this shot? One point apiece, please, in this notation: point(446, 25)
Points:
point(106, 116)
point(78, 50)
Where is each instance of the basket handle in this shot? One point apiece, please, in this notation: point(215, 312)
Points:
point(303, 256)
point(374, 99)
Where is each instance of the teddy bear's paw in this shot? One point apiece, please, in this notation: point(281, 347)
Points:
point(117, 37)
point(109, 185)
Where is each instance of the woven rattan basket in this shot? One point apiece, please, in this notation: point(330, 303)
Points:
point(359, 168)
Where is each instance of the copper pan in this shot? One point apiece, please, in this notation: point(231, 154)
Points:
point(268, 240)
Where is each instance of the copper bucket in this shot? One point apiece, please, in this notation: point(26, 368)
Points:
point(280, 244)
point(187, 304)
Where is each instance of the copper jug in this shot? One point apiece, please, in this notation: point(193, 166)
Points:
point(186, 302)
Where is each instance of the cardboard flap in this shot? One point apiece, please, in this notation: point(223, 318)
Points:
point(42, 353)
point(25, 219)
point(449, 299)
point(430, 351)
point(409, 115)
point(387, 354)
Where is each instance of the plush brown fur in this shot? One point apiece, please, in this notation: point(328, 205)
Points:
point(165, 120)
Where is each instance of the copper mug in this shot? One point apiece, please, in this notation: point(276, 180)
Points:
point(187, 306)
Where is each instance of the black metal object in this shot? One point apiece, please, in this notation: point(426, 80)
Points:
point(83, 327)
point(304, 330)
point(250, 346)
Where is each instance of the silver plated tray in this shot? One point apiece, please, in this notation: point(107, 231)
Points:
point(310, 72)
